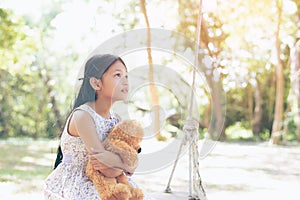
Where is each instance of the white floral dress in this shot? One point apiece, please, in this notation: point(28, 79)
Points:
point(68, 180)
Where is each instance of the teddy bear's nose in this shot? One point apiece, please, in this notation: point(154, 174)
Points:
point(139, 150)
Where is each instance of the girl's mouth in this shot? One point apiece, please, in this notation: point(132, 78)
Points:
point(124, 90)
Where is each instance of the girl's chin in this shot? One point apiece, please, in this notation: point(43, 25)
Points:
point(124, 98)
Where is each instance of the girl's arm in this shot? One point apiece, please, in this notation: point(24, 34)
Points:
point(82, 125)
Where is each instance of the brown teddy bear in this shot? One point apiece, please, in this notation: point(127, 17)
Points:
point(124, 140)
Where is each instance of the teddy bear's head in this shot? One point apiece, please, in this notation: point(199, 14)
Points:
point(129, 131)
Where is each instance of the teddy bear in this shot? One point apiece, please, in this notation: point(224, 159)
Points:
point(124, 140)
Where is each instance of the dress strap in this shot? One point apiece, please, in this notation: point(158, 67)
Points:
point(87, 109)
point(95, 115)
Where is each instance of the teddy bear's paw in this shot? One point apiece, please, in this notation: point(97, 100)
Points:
point(137, 194)
point(119, 192)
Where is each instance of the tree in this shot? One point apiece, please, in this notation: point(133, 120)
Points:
point(153, 89)
point(258, 109)
point(295, 82)
point(212, 41)
point(27, 94)
point(15, 54)
point(278, 113)
point(295, 70)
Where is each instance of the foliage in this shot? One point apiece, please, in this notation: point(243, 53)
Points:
point(38, 65)
point(238, 132)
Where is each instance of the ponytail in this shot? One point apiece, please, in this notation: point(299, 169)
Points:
point(59, 157)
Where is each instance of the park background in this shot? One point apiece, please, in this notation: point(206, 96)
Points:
point(248, 99)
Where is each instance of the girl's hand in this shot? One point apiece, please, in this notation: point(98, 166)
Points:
point(101, 159)
point(104, 169)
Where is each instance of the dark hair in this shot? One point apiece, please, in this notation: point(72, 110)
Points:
point(95, 66)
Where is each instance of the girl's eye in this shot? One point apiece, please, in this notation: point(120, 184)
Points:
point(118, 75)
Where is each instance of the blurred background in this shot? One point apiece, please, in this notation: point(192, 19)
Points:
point(250, 93)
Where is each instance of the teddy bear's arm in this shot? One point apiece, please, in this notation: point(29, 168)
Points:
point(128, 154)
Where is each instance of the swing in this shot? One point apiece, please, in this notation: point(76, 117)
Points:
point(196, 190)
point(191, 131)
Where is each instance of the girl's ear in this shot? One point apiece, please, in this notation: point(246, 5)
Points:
point(95, 83)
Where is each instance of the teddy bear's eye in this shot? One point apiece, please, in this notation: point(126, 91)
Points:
point(139, 150)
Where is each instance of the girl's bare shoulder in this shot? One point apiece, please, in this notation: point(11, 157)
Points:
point(79, 120)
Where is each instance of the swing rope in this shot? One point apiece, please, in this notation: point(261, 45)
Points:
point(191, 133)
point(197, 182)
point(197, 45)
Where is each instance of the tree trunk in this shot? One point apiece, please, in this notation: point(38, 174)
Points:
point(217, 125)
point(153, 89)
point(295, 82)
point(4, 119)
point(53, 101)
point(278, 114)
point(258, 111)
point(216, 128)
point(49, 89)
point(250, 103)
point(206, 116)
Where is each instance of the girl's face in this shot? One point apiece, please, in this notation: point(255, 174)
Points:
point(115, 82)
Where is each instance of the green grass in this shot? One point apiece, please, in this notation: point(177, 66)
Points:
point(24, 160)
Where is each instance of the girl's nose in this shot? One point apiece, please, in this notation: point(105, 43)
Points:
point(125, 80)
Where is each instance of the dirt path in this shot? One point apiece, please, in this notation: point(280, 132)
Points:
point(233, 171)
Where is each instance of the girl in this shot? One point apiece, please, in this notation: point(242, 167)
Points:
point(104, 82)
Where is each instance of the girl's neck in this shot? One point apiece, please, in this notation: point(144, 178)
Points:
point(101, 107)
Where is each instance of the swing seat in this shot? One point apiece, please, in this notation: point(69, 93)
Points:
point(170, 196)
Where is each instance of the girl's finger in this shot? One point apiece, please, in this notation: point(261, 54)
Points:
point(92, 158)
